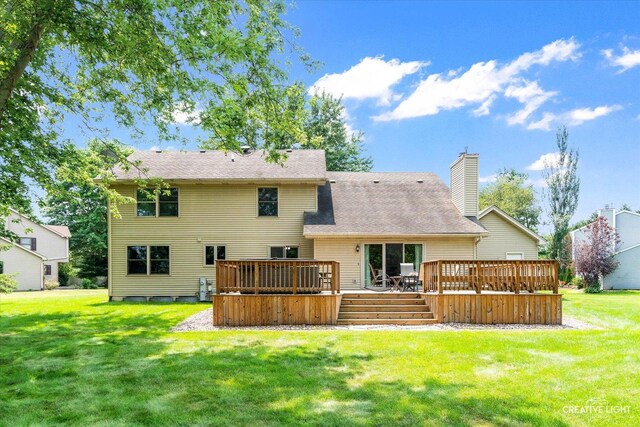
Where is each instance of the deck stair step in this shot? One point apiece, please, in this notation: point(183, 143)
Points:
point(402, 308)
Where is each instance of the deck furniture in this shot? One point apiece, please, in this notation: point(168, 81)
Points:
point(396, 283)
point(378, 280)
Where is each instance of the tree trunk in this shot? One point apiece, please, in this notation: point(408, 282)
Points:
point(26, 50)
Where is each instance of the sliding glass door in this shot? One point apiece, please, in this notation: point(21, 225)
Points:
point(382, 260)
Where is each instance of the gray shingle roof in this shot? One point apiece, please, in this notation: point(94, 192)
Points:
point(396, 205)
point(300, 165)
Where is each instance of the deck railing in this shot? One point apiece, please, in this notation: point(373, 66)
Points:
point(277, 276)
point(478, 275)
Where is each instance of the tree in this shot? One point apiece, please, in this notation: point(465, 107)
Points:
point(584, 222)
point(594, 255)
point(82, 207)
point(325, 127)
point(217, 63)
point(563, 190)
point(511, 193)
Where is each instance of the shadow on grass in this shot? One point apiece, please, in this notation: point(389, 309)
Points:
point(85, 368)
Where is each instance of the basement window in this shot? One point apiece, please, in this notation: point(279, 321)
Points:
point(283, 252)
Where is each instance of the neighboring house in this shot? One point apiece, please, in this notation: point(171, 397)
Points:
point(237, 206)
point(508, 238)
point(36, 255)
point(627, 225)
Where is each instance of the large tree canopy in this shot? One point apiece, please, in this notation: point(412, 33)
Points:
point(220, 63)
point(511, 193)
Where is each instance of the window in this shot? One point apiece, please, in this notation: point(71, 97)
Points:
point(213, 253)
point(159, 259)
point(136, 260)
point(267, 202)
point(47, 270)
point(285, 252)
point(163, 204)
point(28, 242)
point(148, 260)
point(514, 255)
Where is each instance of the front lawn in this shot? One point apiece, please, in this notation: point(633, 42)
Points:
point(70, 357)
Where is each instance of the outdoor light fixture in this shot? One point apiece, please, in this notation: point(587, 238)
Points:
point(358, 248)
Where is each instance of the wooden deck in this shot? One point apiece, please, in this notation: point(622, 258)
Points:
point(307, 292)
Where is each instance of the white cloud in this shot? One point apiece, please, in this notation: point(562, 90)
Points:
point(370, 78)
point(545, 159)
point(628, 59)
point(539, 183)
point(487, 179)
point(574, 117)
point(529, 94)
point(184, 115)
point(158, 148)
point(478, 85)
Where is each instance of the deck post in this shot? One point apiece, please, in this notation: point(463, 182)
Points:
point(555, 277)
point(256, 273)
point(295, 277)
point(477, 278)
point(517, 274)
point(439, 276)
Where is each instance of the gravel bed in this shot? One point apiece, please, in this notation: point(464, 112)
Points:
point(203, 321)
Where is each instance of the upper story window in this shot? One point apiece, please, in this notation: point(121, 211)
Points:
point(212, 253)
point(148, 260)
point(163, 204)
point(28, 242)
point(268, 201)
point(283, 252)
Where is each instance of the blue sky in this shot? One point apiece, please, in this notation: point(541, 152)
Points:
point(424, 80)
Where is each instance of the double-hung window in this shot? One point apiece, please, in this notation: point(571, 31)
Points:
point(165, 203)
point(212, 253)
point(147, 260)
point(267, 201)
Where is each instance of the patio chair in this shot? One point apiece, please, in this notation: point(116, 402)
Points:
point(378, 279)
point(410, 278)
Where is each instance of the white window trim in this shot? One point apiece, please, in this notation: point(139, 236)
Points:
point(157, 215)
point(148, 273)
point(258, 202)
point(215, 253)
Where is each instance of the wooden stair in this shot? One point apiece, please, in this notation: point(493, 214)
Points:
point(402, 308)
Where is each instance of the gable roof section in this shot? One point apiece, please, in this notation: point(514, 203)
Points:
point(353, 204)
point(14, 244)
point(60, 230)
point(300, 166)
point(511, 220)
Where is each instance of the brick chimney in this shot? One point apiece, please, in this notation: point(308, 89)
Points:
point(464, 183)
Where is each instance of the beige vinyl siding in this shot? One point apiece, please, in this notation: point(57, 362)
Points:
point(504, 237)
point(223, 214)
point(471, 186)
point(48, 243)
point(450, 248)
point(457, 185)
point(464, 184)
point(344, 251)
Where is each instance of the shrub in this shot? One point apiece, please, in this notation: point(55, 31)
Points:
point(51, 284)
point(593, 288)
point(578, 282)
point(594, 256)
point(88, 284)
point(7, 283)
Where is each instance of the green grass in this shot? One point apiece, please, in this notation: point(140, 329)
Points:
point(69, 357)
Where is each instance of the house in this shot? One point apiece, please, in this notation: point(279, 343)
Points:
point(37, 254)
point(508, 239)
point(235, 206)
point(627, 253)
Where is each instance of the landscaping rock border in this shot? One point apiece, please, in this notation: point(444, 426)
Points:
point(203, 321)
